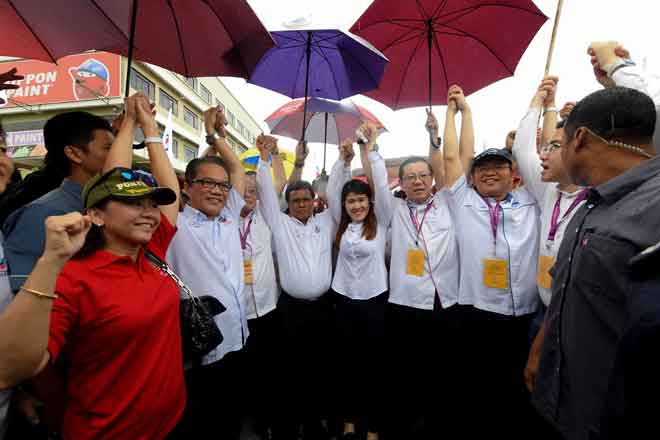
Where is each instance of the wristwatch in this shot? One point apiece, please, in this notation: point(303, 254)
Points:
point(211, 138)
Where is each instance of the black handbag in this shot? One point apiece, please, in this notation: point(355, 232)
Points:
point(199, 332)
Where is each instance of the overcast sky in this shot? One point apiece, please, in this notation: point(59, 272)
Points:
point(497, 108)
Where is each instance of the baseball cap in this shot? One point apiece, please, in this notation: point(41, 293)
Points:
point(491, 153)
point(94, 67)
point(125, 183)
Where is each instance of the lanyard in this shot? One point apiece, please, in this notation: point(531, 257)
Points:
point(245, 233)
point(554, 220)
point(413, 218)
point(494, 212)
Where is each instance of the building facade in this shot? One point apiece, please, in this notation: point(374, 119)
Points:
point(95, 82)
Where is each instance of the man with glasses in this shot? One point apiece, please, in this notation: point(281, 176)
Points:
point(206, 254)
point(549, 184)
point(607, 146)
point(497, 233)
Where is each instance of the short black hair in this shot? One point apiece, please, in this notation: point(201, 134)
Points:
point(410, 160)
point(560, 124)
point(297, 186)
point(192, 169)
point(614, 113)
point(70, 128)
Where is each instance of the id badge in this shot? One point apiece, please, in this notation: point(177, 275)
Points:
point(248, 276)
point(415, 262)
point(496, 274)
point(543, 278)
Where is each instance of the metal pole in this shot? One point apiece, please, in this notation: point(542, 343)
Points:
point(429, 40)
point(131, 43)
point(308, 52)
point(325, 139)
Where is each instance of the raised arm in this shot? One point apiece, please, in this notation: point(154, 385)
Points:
point(550, 113)
point(279, 175)
point(24, 324)
point(453, 166)
point(339, 175)
point(301, 154)
point(215, 122)
point(524, 146)
point(121, 151)
point(435, 153)
point(466, 142)
point(383, 198)
point(161, 167)
point(268, 201)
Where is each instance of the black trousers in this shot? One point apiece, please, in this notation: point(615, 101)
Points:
point(215, 405)
point(307, 358)
point(360, 363)
point(421, 368)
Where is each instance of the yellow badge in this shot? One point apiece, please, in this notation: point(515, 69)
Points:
point(248, 276)
point(415, 262)
point(544, 279)
point(496, 274)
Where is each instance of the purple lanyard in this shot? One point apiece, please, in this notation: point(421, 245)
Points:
point(413, 218)
point(245, 233)
point(554, 220)
point(494, 212)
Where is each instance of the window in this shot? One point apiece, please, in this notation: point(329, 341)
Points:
point(230, 118)
point(190, 117)
point(206, 94)
point(192, 82)
point(140, 83)
point(189, 153)
point(175, 147)
point(167, 102)
point(240, 127)
point(219, 104)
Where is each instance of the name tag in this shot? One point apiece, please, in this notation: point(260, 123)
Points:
point(543, 278)
point(496, 274)
point(415, 262)
point(248, 276)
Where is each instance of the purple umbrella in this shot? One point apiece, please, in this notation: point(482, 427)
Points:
point(319, 63)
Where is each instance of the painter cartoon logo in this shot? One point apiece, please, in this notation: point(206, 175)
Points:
point(90, 80)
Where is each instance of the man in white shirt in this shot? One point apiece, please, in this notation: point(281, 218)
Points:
point(497, 230)
point(303, 245)
point(206, 254)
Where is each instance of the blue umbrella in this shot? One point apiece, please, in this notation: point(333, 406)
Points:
point(319, 63)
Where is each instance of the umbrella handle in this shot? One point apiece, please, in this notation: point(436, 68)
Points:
point(555, 27)
point(131, 43)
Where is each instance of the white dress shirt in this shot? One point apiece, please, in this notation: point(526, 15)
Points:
point(262, 294)
point(6, 297)
point(635, 77)
point(360, 271)
point(303, 250)
point(437, 240)
point(206, 254)
point(546, 194)
point(517, 238)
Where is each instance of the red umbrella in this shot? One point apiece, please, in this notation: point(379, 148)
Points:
point(432, 44)
point(191, 37)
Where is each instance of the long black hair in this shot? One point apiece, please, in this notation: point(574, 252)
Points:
point(355, 186)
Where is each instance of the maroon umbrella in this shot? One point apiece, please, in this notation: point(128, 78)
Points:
point(432, 44)
point(191, 37)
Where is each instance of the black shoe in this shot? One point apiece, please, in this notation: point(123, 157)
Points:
point(349, 436)
point(315, 431)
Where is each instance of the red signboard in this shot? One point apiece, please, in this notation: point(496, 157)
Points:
point(74, 78)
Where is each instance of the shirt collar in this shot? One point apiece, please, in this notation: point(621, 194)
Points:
point(623, 184)
point(102, 258)
point(193, 214)
point(71, 187)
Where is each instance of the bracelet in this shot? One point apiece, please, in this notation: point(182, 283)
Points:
point(39, 294)
point(550, 109)
point(152, 140)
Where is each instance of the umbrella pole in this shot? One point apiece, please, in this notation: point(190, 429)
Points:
point(325, 141)
point(131, 43)
point(553, 38)
point(308, 52)
point(429, 41)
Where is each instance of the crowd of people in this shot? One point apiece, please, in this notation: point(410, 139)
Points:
point(511, 294)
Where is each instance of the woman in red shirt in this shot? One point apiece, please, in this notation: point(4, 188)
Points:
point(111, 313)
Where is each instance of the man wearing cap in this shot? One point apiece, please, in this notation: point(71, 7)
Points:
point(497, 233)
point(206, 253)
point(608, 146)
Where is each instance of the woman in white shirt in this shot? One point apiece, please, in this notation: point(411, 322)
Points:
point(360, 284)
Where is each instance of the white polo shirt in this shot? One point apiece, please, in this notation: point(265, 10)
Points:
point(261, 296)
point(304, 250)
point(206, 254)
point(546, 195)
point(517, 239)
point(360, 273)
point(437, 240)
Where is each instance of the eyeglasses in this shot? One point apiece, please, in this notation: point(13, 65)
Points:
point(492, 167)
point(550, 147)
point(209, 184)
point(414, 177)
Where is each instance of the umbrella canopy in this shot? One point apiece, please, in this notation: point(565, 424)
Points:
point(173, 34)
point(320, 63)
point(327, 121)
point(433, 44)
